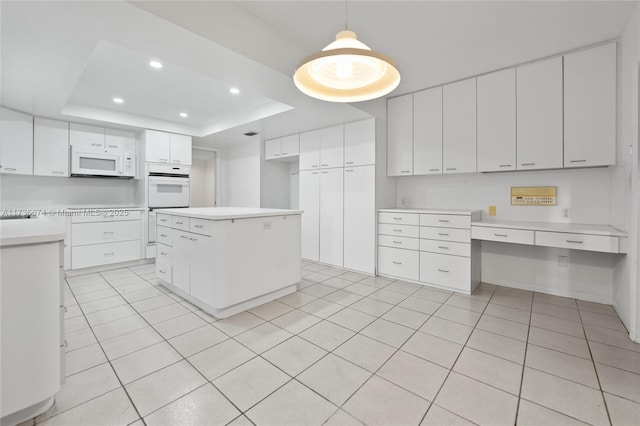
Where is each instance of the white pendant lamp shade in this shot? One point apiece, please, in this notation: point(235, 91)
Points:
point(347, 70)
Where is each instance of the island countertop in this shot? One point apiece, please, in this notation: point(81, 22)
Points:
point(226, 213)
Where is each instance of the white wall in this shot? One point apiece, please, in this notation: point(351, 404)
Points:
point(20, 191)
point(240, 175)
point(624, 188)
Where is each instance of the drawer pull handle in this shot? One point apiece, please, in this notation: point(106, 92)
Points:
point(285, 153)
point(324, 165)
point(349, 162)
point(176, 161)
point(314, 165)
point(397, 263)
point(443, 247)
point(501, 235)
point(57, 173)
point(163, 160)
point(574, 241)
point(10, 169)
point(183, 236)
point(198, 226)
point(163, 235)
point(277, 155)
point(324, 172)
point(109, 254)
point(397, 230)
point(193, 239)
point(179, 223)
point(443, 234)
point(434, 170)
point(397, 242)
point(398, 218)
point(443, 220)
point(162, 272)
point(96, 144)
point(113, 146)
point(348, 170)
point(578, 161)
point(405, 171)
point(528, 164)
point(163, 253)
point(163, 220)
point(443, 270)
point(452, 168)
point(504, 165)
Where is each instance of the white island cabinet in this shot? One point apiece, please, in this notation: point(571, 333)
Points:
point(228, 259)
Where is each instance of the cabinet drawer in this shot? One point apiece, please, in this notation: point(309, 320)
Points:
point(398, 263)
point(163, 219)
point(517, 236)
point(446, 220)
point(399, 218)
point(453, 272)
point(180, 222)
point(164, 235)
point(104, 254)
point(200, 226)
point(602, 243)
point(399, 242)
point(399, 230)
point(445, 234)
point(104, 232)
point(164, 254)
point(446, 247)
point(163, 271)
point(104, 215)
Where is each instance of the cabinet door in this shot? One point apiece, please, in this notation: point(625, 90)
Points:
point(539, 115)
point(331, 216)
point(181, 260)
point(497, 121)
point(157, 146)
point(309, 203)
point(360, 143)
point(332, 147)
point(117, 141)
point(400, 136)
point(459, 127)
point(89, 138)
point(427, 132)
point(16, 142)
point(201, 268)
point(290, 145)
point(50, 147)
point(272, 148)
point(359, 218)
point(180, 149)
point(310, 150)
point(590, 107)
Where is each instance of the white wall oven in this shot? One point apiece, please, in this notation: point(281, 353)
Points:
point(168, 187)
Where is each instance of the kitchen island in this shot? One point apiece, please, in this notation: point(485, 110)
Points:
point(228, 259)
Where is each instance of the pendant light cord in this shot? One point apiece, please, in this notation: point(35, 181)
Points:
point(345, 15)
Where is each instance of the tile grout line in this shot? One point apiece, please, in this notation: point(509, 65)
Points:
point(524, 360)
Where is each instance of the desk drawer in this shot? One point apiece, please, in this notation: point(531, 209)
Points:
point(164, 235)
point(505, 235)
point(163, 271)
point(104, 215)
point(200, 226)
point(104, 232)
point(398, 263)
point(602, 243)
point(399, 230)
point(399, 218)
point(446, 247)
point(453, 272)
point(399, 242)
point(163, 219)
point(104, 254)
point(180, 222)
point(445, 234)
point(164, 254)
point(445, 220)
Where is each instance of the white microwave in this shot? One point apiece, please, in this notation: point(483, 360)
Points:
point(85, 163)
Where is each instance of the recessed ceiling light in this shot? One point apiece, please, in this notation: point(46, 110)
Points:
point(118, 100)
point(155, 64)
point(234, 90)
point(184, 115)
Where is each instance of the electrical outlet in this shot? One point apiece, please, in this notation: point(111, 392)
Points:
point(406, 202)
point(492, 210)
point(563, 261)
point(566, 213)
point(266, 225)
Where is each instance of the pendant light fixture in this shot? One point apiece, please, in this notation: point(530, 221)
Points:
point(347, 70)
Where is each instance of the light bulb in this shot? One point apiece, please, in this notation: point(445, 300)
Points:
point(344, 67)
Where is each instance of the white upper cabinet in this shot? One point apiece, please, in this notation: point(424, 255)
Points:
point(539, 115)
point(310, 150)
point(157, 146)
point(497, 121)
point(290, 145)
point(117, 141)
point(360, 143)
point(16, 142)
point(180, 152)
point(427, 132)
point(590, 107)
point(459, 126)
point(332, 147)
point(272, 148)
point(400, 136)
point(87, 138)
point(50, 147)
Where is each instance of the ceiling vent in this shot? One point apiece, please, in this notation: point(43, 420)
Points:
point(250, 133)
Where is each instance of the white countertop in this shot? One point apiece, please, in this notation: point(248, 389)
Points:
point(29, 231)
point(464, 212)
point(552, 227)
point(225, 213)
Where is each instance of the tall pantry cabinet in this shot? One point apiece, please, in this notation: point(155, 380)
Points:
point(337, 195)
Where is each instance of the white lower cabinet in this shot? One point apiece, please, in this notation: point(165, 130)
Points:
point(443, 270)
point(191, 265)
point(359, 218)
point(331, 216)
point(104, 254)
point(181, 266)
point(309, 203)
point(398, 263)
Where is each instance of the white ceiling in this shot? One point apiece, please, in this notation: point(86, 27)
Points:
point(69, 59)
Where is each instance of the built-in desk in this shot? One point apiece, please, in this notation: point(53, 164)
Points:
point(599, 238)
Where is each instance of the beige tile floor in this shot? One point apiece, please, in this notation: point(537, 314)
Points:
point(346, 349)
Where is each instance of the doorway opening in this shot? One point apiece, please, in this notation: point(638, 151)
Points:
point(203, 178)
